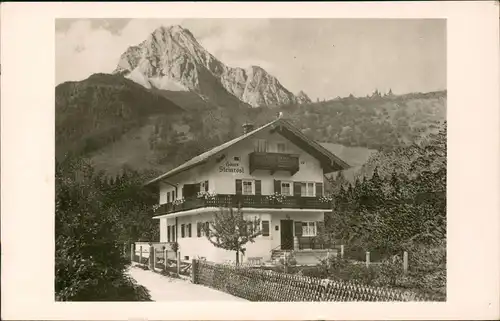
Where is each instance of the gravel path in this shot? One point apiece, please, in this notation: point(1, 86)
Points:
point(163, 288)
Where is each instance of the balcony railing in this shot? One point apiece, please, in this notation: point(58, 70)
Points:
point(252, 201)
point(274, 162)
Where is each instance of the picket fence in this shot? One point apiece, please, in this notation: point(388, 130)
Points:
point(263, 285)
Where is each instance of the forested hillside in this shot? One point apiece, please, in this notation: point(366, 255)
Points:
point(117, 122)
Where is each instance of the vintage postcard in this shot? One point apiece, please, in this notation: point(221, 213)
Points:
point(228, 158)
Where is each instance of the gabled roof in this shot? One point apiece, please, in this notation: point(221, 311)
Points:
point(329, 161)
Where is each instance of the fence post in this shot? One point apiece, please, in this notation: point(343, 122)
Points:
point(132, 252)
point(194, 267)
point(153, 264)
point(140, 254)
point(367, 259)
point(165, 259)
point(342, 251)
point(405, 262)
point(178, 263)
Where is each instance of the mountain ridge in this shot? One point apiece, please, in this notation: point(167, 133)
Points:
point(171, 58)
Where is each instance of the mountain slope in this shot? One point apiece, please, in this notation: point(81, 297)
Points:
point(116, 122)
point(172, 59)
point(94, 112)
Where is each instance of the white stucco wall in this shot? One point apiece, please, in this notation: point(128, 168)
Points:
point(195, 247)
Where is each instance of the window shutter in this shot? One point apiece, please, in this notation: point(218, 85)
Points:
point(168, 197)
point(183, 230)
point(320, 226)
point(189, 226)
point(258, 187)
point(319, 189)
point(277, 186)
point(168, 233)
point(198, 229)
point(238, 186)
point(298, 228)
point(297, 189)
point(173, 233)
point(206, 186)
point(265, 228)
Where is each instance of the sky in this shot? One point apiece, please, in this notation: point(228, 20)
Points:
point(325, 58)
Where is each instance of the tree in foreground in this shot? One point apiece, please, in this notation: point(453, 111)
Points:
point(89, 260)
point(230, 231)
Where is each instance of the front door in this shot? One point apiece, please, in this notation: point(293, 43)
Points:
point(286, 234)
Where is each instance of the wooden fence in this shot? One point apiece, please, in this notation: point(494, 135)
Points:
point(265, 285)
point(159, 260)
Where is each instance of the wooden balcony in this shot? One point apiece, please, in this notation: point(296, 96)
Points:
point(274, 162)
point(251, 201)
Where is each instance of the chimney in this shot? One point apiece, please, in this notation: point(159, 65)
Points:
point(247, 127)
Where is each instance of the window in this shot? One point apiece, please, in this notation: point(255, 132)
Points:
point(183, 230)
point(236, 158)
point(168, 233)
point(261, 145)
point(308, 228)
point(286, 188)
point(188, 226)
point(248, 187)
point(265, 228)
point(281, 147)
point(307, 189)
point(198, 229)
point(168, 197)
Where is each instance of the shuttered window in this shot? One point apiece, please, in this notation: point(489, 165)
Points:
point(307, 189)
point(183, 230)
point(198, 229)
point(248, 187)
point(265, 228)
point(206, 186)
point(168, 197)
point(286, 188)
point(168, 233)
point(308, 228)
point(189, 228)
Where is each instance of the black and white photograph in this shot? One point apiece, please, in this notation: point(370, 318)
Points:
point(250, 161)
point(255, 159)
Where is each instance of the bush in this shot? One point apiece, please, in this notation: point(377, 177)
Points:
point(175, 246)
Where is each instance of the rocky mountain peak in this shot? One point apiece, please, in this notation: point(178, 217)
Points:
point(172, 59)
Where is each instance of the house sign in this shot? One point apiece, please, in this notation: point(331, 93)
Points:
point(231, 167)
